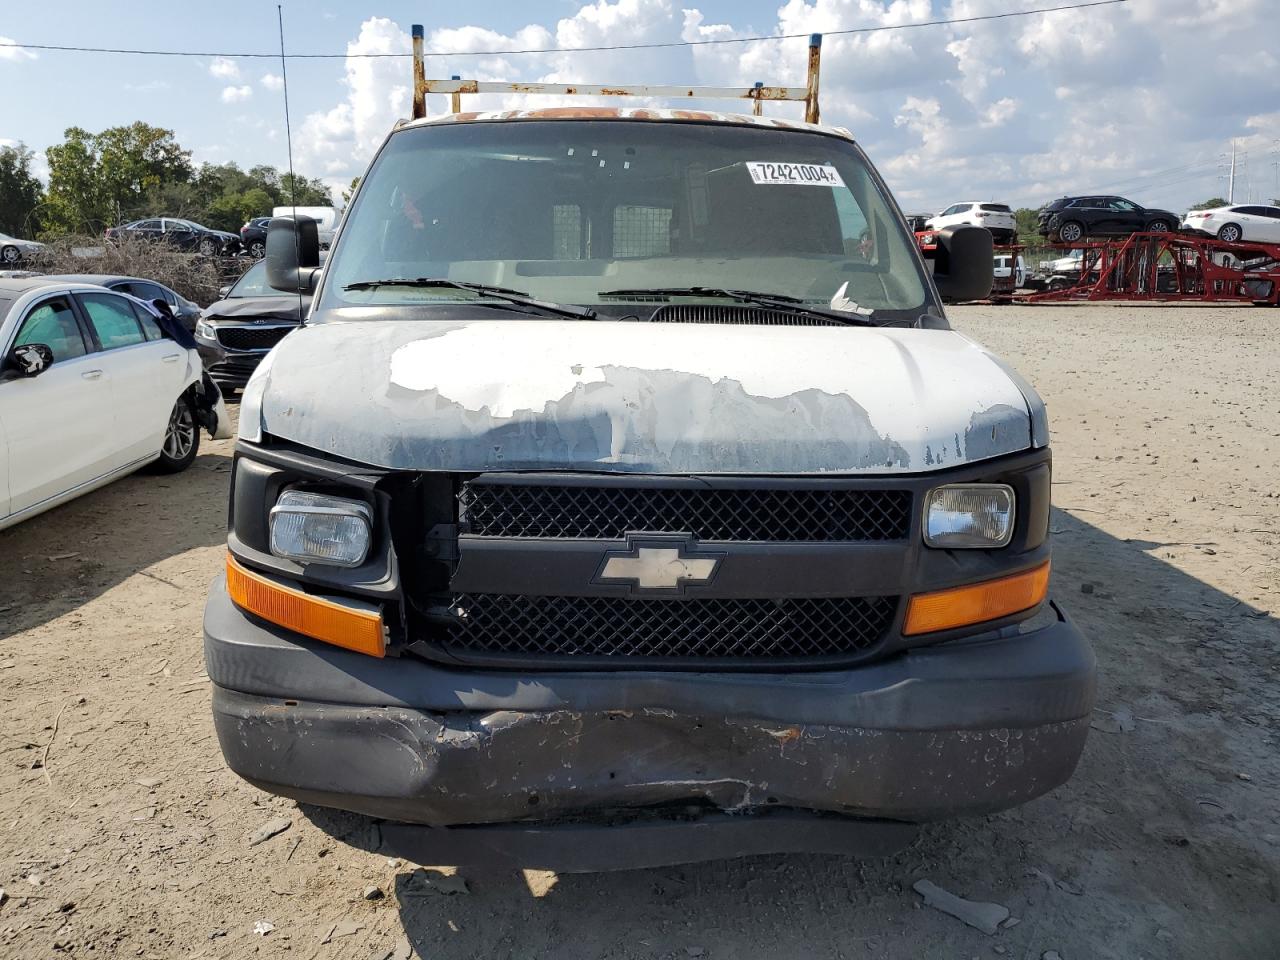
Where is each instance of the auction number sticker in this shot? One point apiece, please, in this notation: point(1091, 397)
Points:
point(797, 174)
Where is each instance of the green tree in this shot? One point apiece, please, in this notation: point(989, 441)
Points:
point(255, 202)
point(99, 179)
point(1026, 217)
point(1210, 204)
point(303, 192)
point(20, 192)
point(350, 192)
point(75, 201)
point(126, 173)
point(136, 159)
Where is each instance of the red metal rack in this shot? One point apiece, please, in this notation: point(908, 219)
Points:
point(1172, 267)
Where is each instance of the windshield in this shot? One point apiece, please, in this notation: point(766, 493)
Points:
point(593, 212)
point(254, 284)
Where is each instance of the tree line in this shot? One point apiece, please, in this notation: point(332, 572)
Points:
point(99, 180)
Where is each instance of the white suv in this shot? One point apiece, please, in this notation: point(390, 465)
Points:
point(996, 217)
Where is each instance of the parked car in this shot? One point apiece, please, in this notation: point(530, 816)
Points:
point(186, 311)
point(688, 533)
point(13, 250)
point(1252, 221)
point(996, 217)
point(182, 234)
point(326, 219)
point(93, 385)
point(1011, 267)
point(235, 333)
point(1070, 264)
point(253, 236)
point(1073, 219)
point(917, 222)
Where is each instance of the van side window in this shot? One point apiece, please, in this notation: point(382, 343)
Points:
point(853, 222)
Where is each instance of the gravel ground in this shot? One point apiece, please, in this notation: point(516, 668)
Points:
point(123, 835)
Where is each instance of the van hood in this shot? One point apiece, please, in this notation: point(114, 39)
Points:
point(641, 397)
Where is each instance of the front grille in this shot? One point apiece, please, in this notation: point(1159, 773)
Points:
point(715, 313)
point(251, 338)
point(682, 630)
point(611, 512)
point(236, 370)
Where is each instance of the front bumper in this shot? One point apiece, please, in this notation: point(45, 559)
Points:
point(960, 728)
point(230, 369)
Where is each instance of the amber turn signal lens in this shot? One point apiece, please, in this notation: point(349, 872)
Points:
point(314, 617)
point(976, 602)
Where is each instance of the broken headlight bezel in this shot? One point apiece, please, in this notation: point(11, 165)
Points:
point(969, 516)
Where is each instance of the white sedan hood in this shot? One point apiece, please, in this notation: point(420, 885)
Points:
point(635, 397)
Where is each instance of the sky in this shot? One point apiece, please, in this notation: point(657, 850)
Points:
point(1143, 98)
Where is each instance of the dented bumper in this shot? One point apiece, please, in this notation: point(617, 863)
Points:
point(955, 729)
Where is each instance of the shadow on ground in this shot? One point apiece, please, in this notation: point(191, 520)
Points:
point(55, 562)
point(1164, 845)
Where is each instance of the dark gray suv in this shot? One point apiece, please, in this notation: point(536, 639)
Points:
point(1074, 219)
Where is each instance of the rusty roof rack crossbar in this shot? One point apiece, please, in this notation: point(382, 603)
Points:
point(758, 93)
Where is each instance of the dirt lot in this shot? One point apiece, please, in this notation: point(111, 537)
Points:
point(130, 838)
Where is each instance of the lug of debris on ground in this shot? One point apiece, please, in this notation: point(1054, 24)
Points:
point(122, 834)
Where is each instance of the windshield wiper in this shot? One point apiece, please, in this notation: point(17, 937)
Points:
point(496, 293)
point(773, 301)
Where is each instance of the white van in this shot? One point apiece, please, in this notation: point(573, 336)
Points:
point(326, 220)
point(618, 448)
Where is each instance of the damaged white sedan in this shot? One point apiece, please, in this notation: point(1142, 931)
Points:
point(93, 385)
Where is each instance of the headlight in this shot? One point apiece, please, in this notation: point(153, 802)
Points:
point(315, 528)
point(969, 516)
point(205, 329)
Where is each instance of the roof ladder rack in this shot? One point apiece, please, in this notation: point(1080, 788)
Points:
point(758, 93)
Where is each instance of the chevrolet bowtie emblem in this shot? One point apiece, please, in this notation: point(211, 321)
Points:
point(657, 567)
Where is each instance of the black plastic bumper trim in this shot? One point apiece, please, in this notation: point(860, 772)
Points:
point(1009, 680)
point(597, 848)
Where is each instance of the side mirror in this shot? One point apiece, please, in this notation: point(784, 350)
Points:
point(293, 254)
point(223, 291)
point(31, 359)
point(963, 267)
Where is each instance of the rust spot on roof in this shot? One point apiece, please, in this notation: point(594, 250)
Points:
point(628, 113)
point(561, 113)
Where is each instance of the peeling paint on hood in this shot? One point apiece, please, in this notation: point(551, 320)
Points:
point(641, 397)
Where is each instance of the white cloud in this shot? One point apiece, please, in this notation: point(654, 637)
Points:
point(338, 142)
point(236, 94)
point(1016, 109)
point(224, 68)
point(272, 81)
point(15, 53)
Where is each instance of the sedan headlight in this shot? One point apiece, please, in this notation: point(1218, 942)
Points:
point(205, 330)
point(316, 528)
point(969, 516)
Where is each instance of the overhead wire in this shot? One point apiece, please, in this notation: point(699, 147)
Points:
point(1155, 178)
point(710, 41)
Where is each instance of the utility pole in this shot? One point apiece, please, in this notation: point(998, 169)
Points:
point(1275, 152)
point(1231, 180)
